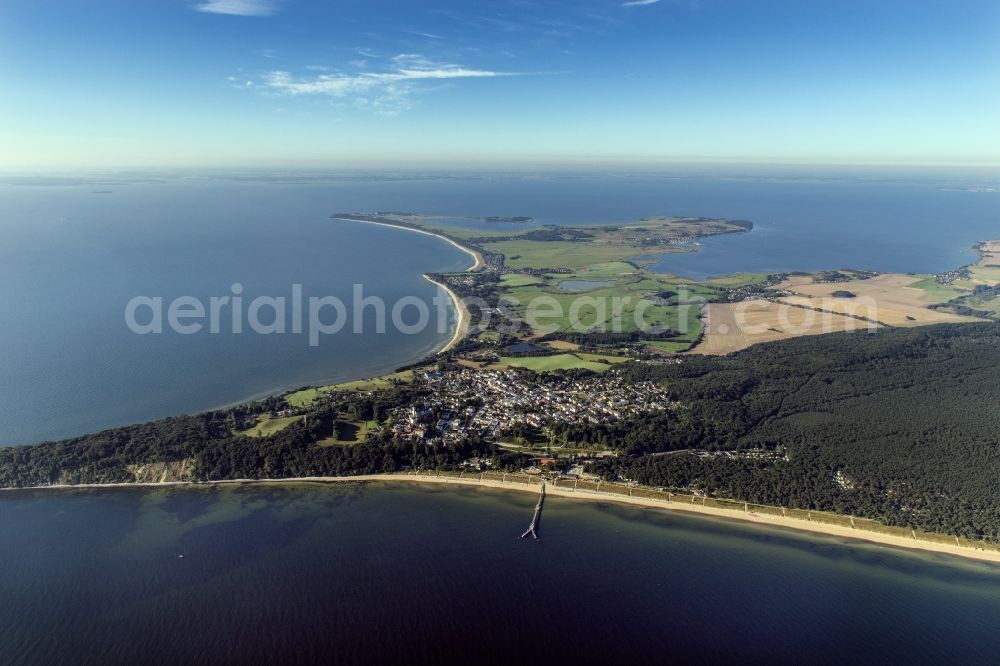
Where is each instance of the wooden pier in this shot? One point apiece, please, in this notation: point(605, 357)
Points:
point(536, 519)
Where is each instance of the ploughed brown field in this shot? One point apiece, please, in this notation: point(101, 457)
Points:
point(888, 299)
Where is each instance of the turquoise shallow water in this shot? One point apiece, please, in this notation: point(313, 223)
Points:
point(391, 573)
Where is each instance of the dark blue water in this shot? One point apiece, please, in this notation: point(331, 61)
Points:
point(70, 260)
point(810, 226)
point(522, 347)
point(806, 218)
point(384, 573)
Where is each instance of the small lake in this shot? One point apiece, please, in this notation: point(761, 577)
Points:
point(522, 348)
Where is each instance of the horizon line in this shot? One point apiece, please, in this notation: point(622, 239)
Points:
point(526, 163)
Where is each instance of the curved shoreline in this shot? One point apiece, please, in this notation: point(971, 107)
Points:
point(464, 316)
point(856, 534)
point(462, 312)
point(477, 257)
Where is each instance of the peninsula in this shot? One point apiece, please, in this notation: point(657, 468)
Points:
point(779, 433)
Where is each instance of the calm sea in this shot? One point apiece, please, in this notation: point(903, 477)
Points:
point(406, 573)
point(75, 252)
point(71, 260)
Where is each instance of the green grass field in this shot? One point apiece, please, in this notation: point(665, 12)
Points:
point(621, 307)
point(516, 280)
point(303, 398)
point(460, 233)
point(939, 293)
point(608, 269)
point(986, 274)
point(560, 254)
point(602, 357)
point(651, 284)
point(624, 305)
point(308, 396)
point(685, 292)
point(683, 318)
point(556, 362)
point(737, 279)
point(674, 346)
point(548, 309)
point(269, 426)
point(375, 383)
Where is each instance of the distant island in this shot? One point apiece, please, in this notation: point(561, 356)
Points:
point(517, 219)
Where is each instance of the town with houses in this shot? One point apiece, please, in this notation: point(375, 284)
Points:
point(497, 403)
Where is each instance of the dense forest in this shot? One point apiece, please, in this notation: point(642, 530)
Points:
point(899, 425)
point(215, 453)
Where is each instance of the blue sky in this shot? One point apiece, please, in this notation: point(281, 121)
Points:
point(293, 83)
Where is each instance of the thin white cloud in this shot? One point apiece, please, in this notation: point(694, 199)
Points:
point(238, 7)
point(387, 92)
point(639, 3)
point(421, 33)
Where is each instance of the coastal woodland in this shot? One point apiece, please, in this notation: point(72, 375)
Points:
point(896, 422)
point(896, 425)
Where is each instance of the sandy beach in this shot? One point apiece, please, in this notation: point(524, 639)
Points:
point(462, 326)
point(476, 257)
point(592, 496)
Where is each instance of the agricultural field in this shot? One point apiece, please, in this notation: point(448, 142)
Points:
point(517, 280)
point(612, 292)
point(987, 269)
point(734, 326)
point(737, 280)
point(574, 255)
point(625, 305)
point(938, 293)
point(609, 269)
point(562, 345)
point(671, 346)
point(632, 298)
point(890, 299)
